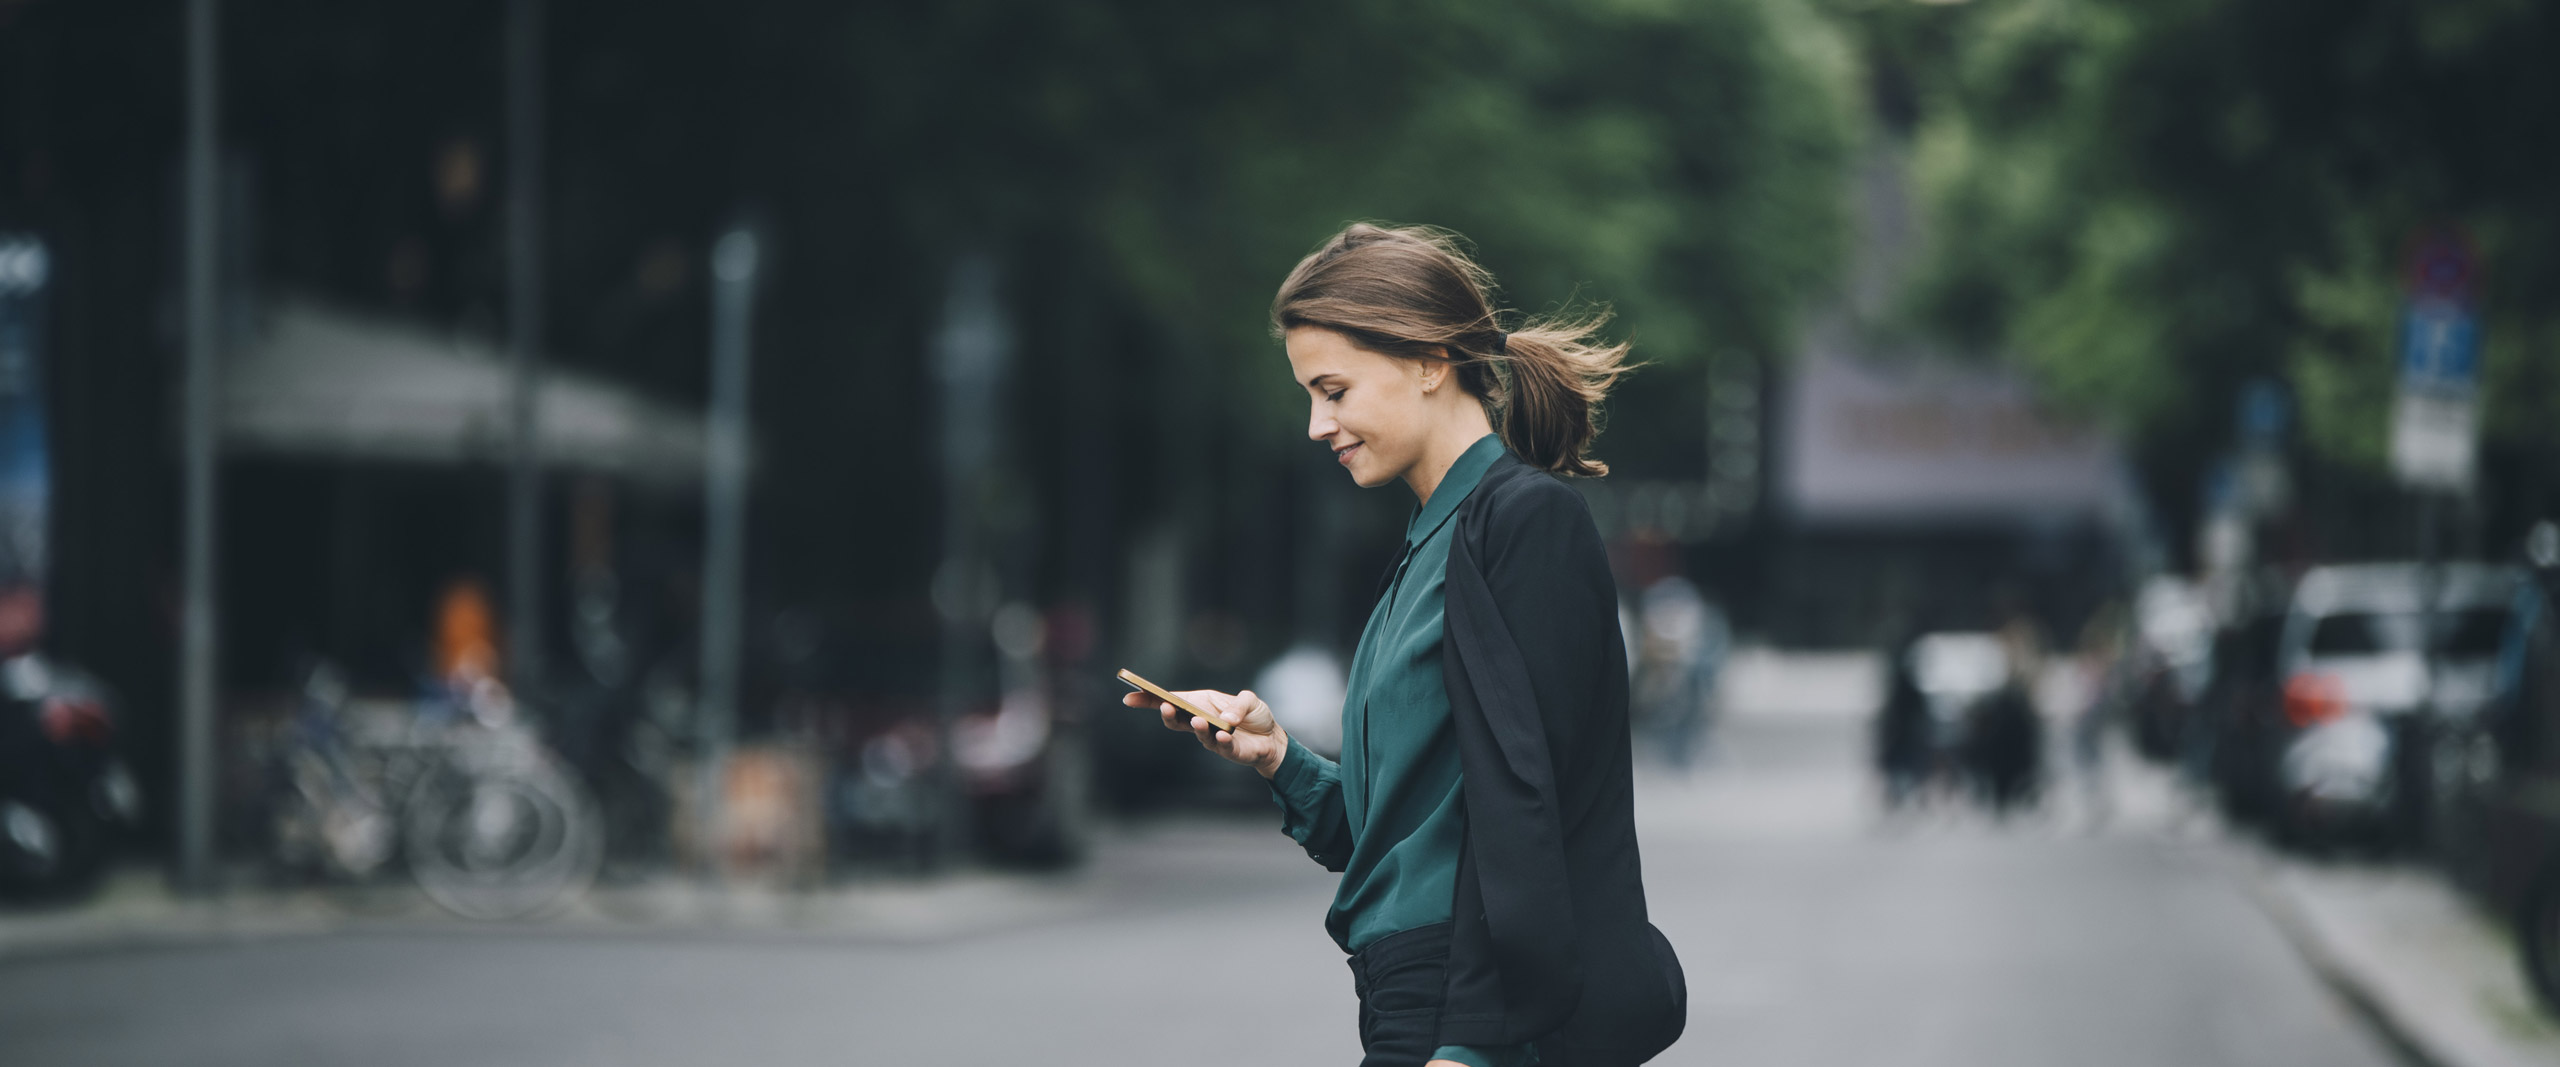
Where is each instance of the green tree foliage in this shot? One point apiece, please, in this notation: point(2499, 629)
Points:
point(1681, 159)
point(2147, 201)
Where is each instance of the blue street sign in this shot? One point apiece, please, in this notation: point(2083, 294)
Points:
point(2435, 419)
point(2439, 346)
point(26, 479)
point(2265, 411)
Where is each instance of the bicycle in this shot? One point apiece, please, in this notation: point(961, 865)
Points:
point(456, 791)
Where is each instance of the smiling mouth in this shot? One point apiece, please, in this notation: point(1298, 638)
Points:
point(1343, 455)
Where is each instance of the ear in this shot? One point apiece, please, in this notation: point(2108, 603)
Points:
point(1435, 372)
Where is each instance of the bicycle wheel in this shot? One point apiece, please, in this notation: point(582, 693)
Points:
point(501, 842)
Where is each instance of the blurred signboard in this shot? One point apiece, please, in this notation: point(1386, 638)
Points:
point(2435, 415)
point(327, 384)
point(25, 467)
point(1913, 442)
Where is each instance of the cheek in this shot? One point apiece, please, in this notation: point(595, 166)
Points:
point(1371, 421)
point(1364, 409)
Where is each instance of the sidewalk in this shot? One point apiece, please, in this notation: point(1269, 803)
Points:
point(1151, 864)
point(2432, 975)
point(2435, 975)
point(137, 908)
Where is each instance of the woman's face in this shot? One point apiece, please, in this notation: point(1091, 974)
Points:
point(1369, 408)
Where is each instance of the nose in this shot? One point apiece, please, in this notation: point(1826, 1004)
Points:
point(1320, 427)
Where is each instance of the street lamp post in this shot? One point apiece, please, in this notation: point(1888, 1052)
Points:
point(196, 616)
point(969, 359)
point(734, 262)
point(524, 337)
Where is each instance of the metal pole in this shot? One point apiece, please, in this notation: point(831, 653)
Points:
point(2419, 728)
point(969, 357)
point(724, 550)
point(196, 620)
point(524, 338)
point(962, 628)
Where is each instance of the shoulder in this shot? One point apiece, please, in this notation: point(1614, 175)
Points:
point(1519, 505)
point(1513, 488)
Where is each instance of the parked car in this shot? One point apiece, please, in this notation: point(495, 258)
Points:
point(2374, 658)
point(66, 796)
point(2505, 760)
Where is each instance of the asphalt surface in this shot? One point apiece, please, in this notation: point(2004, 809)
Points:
point(1814, 932)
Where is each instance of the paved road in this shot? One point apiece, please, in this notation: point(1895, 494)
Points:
point(1813, 934)
point(1816, 933)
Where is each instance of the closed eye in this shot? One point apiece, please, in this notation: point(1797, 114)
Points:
point(1336, 394)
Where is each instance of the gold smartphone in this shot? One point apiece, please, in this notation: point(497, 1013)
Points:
point(1132, 678)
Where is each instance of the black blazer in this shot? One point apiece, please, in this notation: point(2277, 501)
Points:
point(1551, 942)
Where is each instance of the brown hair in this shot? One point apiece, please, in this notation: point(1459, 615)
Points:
point(1412, 292)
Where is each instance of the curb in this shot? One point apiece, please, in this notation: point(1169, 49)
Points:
point(957, 905)
point(2358, 992)
point(841, 917)
point(44, 948)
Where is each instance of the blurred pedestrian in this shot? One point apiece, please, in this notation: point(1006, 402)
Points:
point(1482, 814)
point(2104, 674)
point(466, 643)
point(1905, 731)
point(2004, 733)
point(1683, 641)
point(466, 679)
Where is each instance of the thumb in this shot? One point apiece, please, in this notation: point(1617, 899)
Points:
point(1232, 707)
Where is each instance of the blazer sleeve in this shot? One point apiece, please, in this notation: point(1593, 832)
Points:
point(1549, 577)
point(1530, 607)
point(1308, 788)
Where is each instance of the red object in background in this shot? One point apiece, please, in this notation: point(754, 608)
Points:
point(2441, 263)
point(21, 618)
point(69, 719)
point(2312, 699)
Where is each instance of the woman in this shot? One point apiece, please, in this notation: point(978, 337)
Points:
point(1481, 814)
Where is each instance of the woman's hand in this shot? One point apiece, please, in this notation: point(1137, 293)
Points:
point(1257, 741)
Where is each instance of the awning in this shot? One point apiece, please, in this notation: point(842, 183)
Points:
point(328, 384)
point(1868, 441)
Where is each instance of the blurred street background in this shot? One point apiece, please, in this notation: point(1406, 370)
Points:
point(546, 531)
point(1814, 932)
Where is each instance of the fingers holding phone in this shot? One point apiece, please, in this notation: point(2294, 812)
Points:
point(1256, 740)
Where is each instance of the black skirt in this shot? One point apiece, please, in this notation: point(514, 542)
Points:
point(1401, 978)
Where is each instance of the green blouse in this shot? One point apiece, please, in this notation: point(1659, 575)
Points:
point(1392, 805)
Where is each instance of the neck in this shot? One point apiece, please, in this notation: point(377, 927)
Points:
point(1444, 448)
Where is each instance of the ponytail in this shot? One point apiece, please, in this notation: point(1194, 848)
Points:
point(1412, 292)
point(1556, 374)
